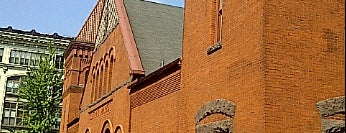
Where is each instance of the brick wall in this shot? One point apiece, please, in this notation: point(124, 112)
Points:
point(235, 72)
point(95, 112)
point(114, 109)
point(156, 107)
point(77, 63)
point(304, 48)
point(119, 69)
point(159, 89)
point(278, 59)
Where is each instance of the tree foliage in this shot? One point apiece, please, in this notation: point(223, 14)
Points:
point(41, 90)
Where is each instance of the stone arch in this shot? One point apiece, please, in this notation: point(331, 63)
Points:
point(111, 52)
point(218, 106)
point(332, 113)
point(105, 57)
point(101, 61)
point(119, 129)
point(107, 127)
point(88, 130)
point(97, 65)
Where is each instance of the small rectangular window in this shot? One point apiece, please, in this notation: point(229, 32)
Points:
point(59, 62)
point(12, 116)
point(22, 55)
point(12, 56)
point(27, 57)
point(37, 59)
point(16, 58)
point(1, 53)
point(32, 59)
point(218, 20)
point(12, 85)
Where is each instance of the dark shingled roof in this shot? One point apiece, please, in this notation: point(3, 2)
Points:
point(158, 32)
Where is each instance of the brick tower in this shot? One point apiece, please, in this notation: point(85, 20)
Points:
point(77, 65)
point(263, 66)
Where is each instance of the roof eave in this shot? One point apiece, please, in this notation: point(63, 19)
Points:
point(136, 67)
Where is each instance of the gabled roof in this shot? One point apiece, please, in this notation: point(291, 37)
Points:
point(152, 32)
point(157, 31)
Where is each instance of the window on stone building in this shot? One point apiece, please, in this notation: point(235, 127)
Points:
point(1, 53)
point(59, 62)
point(26, 58)
point(37, 59)
point(32, 59)
point(16, 57)
point(12, 56)
point(13, 114)
point(12, 84)
point(22, 55)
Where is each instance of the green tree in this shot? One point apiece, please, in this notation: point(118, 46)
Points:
point(41, 92)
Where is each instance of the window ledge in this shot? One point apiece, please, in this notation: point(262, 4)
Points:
point(211, 49)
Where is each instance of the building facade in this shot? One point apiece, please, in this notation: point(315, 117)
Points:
point(20, 50)
point(245, 66)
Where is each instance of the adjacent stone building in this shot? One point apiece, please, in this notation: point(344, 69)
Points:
point(215, 66)
point(20, 50)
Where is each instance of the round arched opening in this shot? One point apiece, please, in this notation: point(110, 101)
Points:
point(107, 131)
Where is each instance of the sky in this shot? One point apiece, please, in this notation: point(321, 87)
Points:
point(65, 17)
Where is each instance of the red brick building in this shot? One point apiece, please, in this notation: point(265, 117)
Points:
point(238, 66)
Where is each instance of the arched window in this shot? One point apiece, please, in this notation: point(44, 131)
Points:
point(107, 131)
point(110, 71)
point(332, 112)
point(105, 79)
point(93, 81)
point(118, 130)
point(97, 86)
point(107, 127)
point(101, 82)
point(88, 131)
point(215, 117)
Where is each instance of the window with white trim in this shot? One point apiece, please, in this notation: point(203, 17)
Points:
point(12, 84)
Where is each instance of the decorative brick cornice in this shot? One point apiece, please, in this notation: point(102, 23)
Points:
point(72, 89)
point(78, 45)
